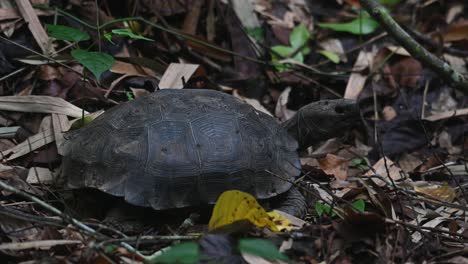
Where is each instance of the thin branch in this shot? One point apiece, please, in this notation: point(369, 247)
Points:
point(50, 208)
point(442, 68)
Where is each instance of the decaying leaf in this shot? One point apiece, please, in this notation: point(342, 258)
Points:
point(40, 104)
point(436, 190)
point(386, 169)
point(334, 165)
point(177, 75)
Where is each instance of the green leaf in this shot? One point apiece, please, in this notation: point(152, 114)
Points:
point(185, 253)
point(108, 36)
point(66, 33)
point(359, 205)
point(110, 249)
point(362, 164)
point(261, 248)
point(283, 51)
point(320, 208)
point(96, 62)
point(330, 55)
point(299, 36)
point(359, 26)
point(81, 122)
point(128, 33)
point(130, 96)
point(257, 33)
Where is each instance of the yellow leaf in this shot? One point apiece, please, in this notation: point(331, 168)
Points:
point(436, 190)
point(281, 222)
point(235, 206)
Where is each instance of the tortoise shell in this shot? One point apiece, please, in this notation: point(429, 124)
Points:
point(180, 148)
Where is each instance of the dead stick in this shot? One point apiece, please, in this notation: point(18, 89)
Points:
point(442, 68)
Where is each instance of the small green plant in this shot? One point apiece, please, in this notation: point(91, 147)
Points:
point(256, 33)
point(362, 164)
point(330, 55)
point(127, 32)
point(130, 96)
point(321, 208)
point(189, 252)
point(262, 248)
point(297, 40)
point(362, 25)
point(95, 62)
point(359, 205)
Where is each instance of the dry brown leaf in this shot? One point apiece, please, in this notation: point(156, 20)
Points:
point(44, 137)
point(334, 165)
point(385, 168)
point(407, 72)
point(131, 70)
point(311, 162)
point(35, 26)
point(172, 77)
point(245, 12)
point(114, 84)
point(398, 50)
point(456, 31)
point(254, 103)
point(357, 80)
point(47, 73)
point(447, 114)
point(39, 104)
point(8, 13)
point(332, 145)
point(409, 162)
point(7, 172)
point(60, 125)
point(453, 12)
point(38, 175)
point(137, 92)
point(436, 190)
point(41, 244)
point(281, 110)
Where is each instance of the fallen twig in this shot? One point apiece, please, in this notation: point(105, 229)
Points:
point(442, 68)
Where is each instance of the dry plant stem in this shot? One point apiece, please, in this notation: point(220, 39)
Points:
point(442, 68)
point(452, 235)
point(50, 208)
point(86, 228)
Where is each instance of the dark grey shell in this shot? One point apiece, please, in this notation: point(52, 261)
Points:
point(179, 148)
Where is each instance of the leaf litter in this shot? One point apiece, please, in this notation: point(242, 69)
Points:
point(393, 190)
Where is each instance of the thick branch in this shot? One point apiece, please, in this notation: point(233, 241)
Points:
point(442, 68)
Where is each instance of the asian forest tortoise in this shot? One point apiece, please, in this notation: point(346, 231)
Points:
point(179, 148)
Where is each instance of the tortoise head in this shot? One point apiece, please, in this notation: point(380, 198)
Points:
point(323, 120)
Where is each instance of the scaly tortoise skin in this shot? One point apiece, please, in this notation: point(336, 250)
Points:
point(181, 148)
